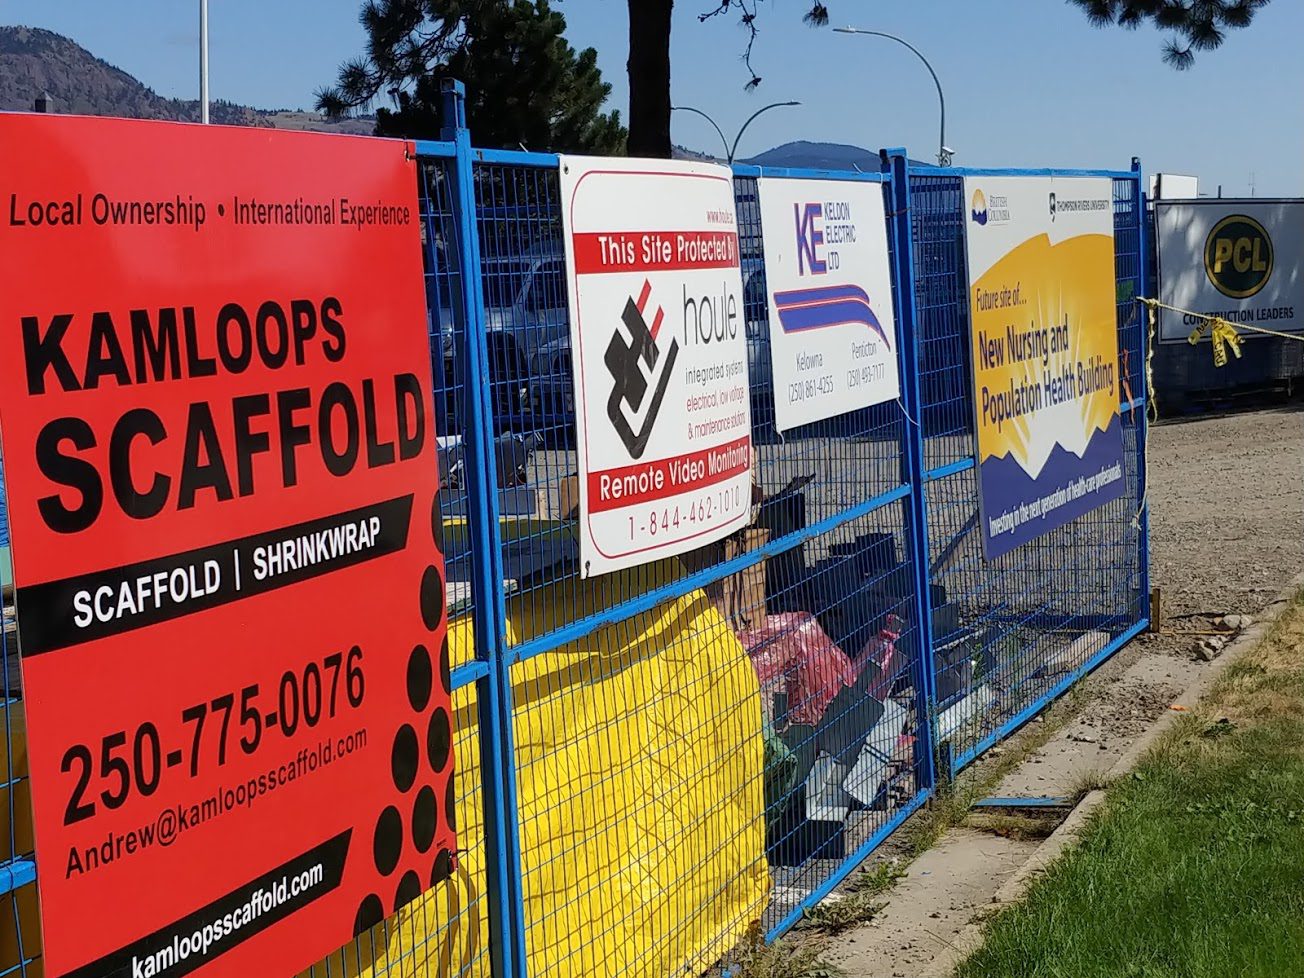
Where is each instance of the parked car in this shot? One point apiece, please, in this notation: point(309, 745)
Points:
point(525, 310)
point(551, 396)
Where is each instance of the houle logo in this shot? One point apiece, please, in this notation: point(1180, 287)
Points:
point(640, 371)
point(1052, 207)
point(1238, 256)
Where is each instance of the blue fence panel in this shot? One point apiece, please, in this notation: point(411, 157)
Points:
point(858, 579)
point(19, 920)
point(684, 687)
point(832, 563)
point(1014, 633)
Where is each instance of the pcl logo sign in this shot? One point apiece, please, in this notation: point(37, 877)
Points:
point(1238, 256)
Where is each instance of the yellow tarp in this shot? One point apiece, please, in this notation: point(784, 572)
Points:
point(639, 758)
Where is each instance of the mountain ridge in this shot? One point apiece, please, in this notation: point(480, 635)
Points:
point(36, 62)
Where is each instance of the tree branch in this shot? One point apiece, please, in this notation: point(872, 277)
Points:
point(1197, 25)
point(817, 16)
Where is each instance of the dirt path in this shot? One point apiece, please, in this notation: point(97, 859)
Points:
point(1227, 533)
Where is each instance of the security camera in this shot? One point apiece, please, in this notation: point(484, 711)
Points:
point(948, 150)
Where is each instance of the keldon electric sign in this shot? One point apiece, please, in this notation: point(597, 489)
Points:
point(833, 343)
point(219, 452)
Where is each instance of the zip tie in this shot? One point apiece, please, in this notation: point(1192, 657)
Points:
point(904, 412)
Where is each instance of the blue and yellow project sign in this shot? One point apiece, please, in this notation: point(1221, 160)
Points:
point(1045, 353)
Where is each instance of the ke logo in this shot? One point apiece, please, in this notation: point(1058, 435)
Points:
point(1238, 256)
point(641, 373)
point(809, 238)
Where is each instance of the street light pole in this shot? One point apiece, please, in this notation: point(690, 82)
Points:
point(943, 151)
point(731, 150)
point(773, 105)
point(203, 61)
point(689, 108)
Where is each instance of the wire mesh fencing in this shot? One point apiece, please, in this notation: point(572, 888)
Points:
point(658, 766)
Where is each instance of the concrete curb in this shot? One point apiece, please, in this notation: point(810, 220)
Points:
point(1014, 888)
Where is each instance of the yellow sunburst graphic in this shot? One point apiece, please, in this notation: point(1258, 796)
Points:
point(1045, 349)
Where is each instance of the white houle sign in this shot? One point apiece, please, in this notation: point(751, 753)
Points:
point(659, 356)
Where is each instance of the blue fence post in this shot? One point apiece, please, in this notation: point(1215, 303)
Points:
point(1143, 427)
point(896, 166)
point(493, 691)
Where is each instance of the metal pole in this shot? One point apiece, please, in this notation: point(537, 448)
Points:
point(203, 61)
point(504, 879)
point(689, 108)
point(772, 105)
point(943, 153)
point(730, 150)
point(896, 167)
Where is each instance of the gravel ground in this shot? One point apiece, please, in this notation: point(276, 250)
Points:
point(1227, 510)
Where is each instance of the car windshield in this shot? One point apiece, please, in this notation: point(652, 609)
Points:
point(503, 281)
point(546, 288)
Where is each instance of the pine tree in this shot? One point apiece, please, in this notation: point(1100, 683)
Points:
point(649, 65)
point(525, 85)
point(1196, 25)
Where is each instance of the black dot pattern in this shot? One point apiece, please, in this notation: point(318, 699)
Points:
point(425, 819)
point(420, 677)
point(404, 758)
point(409, 888)
point(445, 666)
point(370, 913)
point(443, 867)
point(387, 843)
point(439, 738)
point(432, 598)
point(404, 843)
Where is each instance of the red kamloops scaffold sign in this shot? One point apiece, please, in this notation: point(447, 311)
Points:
point(219, 454)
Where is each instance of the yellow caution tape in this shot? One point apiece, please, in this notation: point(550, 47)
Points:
point(1198, 332)
point(1225, 335)
point(1222, 333)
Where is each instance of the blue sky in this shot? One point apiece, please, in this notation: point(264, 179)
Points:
point(1028, 82)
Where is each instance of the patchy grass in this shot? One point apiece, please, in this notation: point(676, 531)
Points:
point(784, 959)
point(798, 955)
point(1193, 867)
point(1084, 783)
point(859, 901)
point(1026, 827)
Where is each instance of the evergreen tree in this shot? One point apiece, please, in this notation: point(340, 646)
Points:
point(525, 85)
point(1196, 25)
